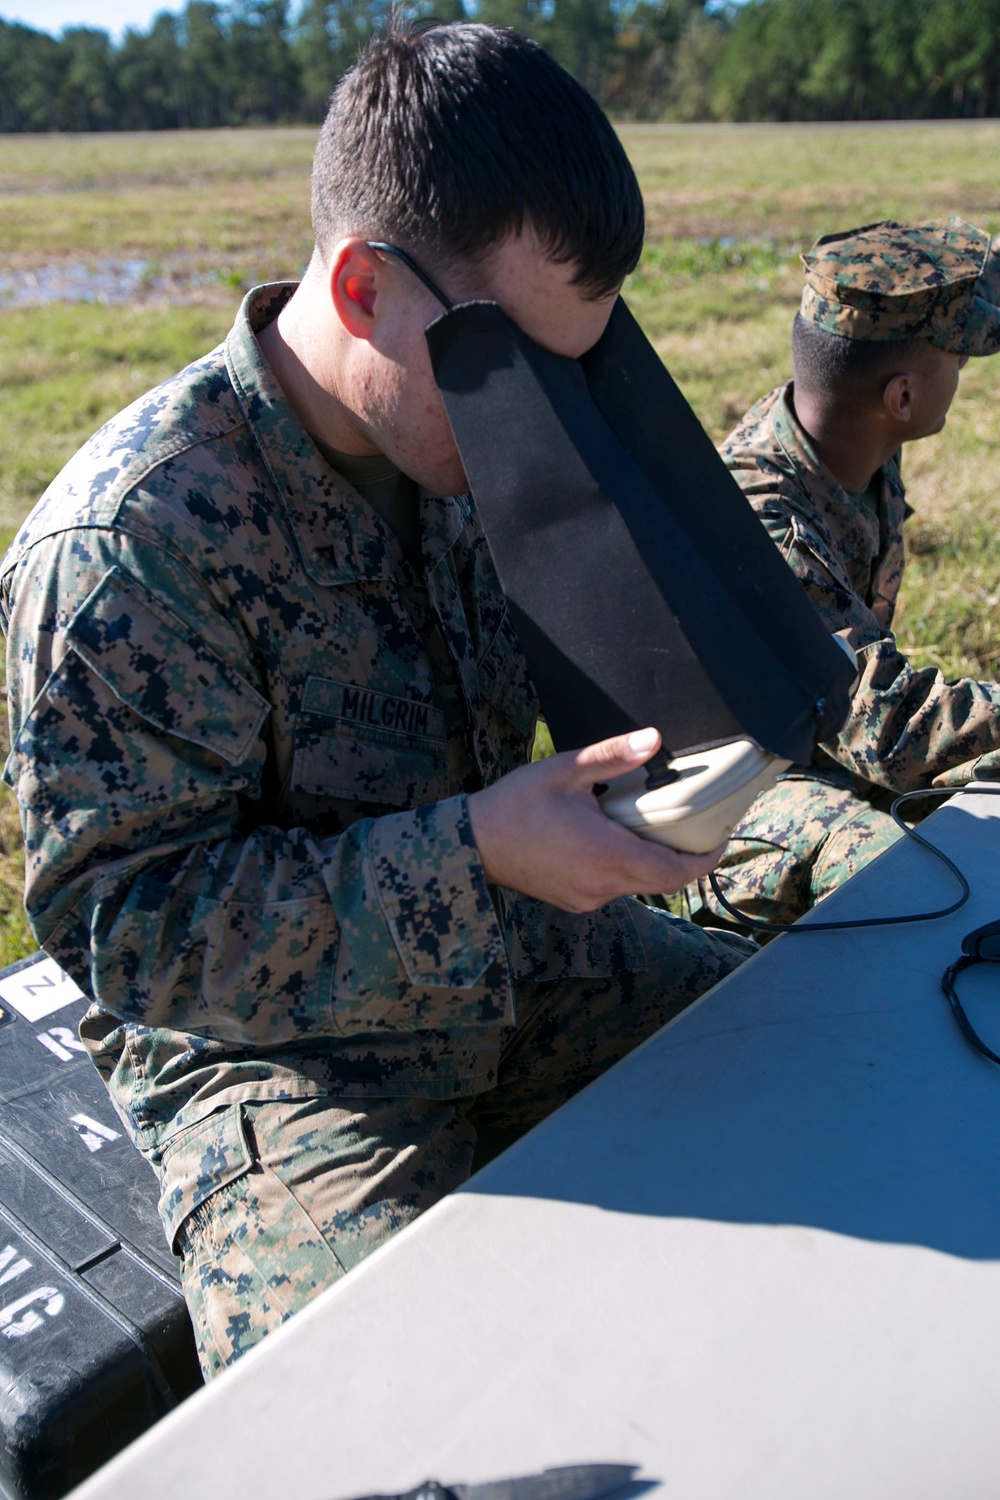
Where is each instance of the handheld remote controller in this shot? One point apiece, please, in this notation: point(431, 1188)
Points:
point(703, 801)
point(700, 798)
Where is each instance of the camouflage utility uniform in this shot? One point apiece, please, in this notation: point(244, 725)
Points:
point(244, 727)
point(908, 728)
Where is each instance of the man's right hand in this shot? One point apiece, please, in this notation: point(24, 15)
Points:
point(541, 830)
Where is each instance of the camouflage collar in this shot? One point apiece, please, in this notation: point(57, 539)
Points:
point(341, 538)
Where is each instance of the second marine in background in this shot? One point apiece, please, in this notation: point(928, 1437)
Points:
point(890, 314)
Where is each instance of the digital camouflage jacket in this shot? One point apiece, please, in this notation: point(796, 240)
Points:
point(908, 728)
point(243, 729)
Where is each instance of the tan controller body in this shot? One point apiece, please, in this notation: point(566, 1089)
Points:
point(701, 807)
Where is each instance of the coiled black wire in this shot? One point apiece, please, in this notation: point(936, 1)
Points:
point(918, 916)
point(967, 961)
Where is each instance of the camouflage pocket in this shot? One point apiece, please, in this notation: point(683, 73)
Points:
point(368, 746)
point(202, 1160)
point(163, 671)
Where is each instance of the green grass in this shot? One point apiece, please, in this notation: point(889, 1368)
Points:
point(790, 183)
point(236, 201)
point(65, 369)
point(189, 159)
point(729, 208)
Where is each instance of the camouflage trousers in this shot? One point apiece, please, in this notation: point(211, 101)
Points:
point(307, 1188)
point(801, 839)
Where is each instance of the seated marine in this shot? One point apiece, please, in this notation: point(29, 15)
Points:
point(272, 723)
point(889, 315)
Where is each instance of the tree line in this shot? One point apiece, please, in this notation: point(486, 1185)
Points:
point(262, 62)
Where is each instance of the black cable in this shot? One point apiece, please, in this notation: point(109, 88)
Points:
point(757, 925)
point(967, 961)
point(970, 957)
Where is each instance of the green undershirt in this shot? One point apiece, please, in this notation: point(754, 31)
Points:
point(871, 496)
point(392, 494)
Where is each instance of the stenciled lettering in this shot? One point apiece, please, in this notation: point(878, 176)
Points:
point(45, 983)
point(92, 1133)
point(62, 1042)
point(13, 1326)
point(12, 1264)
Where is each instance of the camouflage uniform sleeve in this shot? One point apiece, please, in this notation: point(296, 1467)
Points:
point(138, 722)
point(908, 728)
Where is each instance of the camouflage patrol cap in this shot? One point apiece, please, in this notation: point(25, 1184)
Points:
point(938, 281)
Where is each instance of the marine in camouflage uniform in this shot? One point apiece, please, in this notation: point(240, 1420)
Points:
point(887, 284)
point(246, 724)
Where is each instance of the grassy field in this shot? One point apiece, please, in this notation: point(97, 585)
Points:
point(198, 217)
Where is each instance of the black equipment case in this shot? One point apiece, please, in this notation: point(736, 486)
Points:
point(95, 1340)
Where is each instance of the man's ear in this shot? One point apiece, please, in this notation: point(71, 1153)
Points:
point(355, 279)
point(897, 397)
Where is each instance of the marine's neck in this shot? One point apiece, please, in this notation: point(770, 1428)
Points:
point(302, 354)
point(853, 444)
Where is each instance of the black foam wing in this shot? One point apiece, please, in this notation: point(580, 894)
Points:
point(642, 585)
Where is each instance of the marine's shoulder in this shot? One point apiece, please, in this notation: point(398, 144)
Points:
point(186, 412)
point(755, 432)
point(761, 452)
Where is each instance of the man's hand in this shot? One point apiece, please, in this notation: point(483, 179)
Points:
point(540, 830)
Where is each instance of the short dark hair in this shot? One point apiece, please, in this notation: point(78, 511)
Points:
point(850, 370)
point(448, 140)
